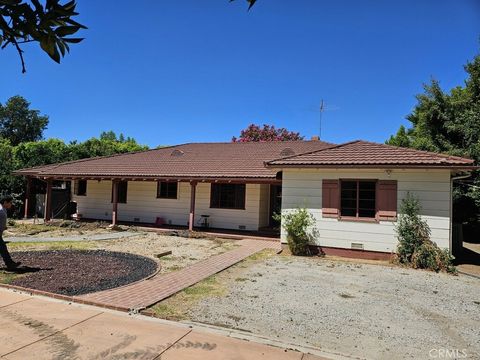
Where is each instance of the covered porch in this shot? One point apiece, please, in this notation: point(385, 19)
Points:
point(233, 206)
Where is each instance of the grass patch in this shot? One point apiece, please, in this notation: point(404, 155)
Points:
point(7, 277)
point(176, 307)
point(31, 229)
point(261, 255)
point(51, 245)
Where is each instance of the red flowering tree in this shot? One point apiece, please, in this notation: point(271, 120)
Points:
point(267, 133)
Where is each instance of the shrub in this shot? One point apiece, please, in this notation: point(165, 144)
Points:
point(414, 245)
point(297, 224)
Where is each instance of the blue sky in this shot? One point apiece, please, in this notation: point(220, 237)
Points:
point(169, 72)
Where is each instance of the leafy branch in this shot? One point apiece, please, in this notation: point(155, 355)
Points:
point(51, 25)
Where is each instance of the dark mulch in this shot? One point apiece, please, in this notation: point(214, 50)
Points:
point(77, 272)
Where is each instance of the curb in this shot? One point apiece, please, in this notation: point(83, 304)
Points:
point(247, 336)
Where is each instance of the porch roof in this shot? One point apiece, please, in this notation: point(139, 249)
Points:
point(241, 161)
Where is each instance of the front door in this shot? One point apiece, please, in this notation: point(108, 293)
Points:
point(275, 203)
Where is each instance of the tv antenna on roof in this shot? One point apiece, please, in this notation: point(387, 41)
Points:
point(322, 108)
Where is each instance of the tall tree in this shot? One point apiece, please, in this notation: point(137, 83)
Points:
point(50, 25)
point(449, 122)
point(266, 133)
point(19, 123)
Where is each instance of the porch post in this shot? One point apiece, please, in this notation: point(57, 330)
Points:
point(27, 196)
point(191, 220)
point(114, 202)
point(47, 216)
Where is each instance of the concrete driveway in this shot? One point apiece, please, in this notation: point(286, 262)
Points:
point(34, 327)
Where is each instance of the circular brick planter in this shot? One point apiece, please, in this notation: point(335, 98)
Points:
point(77, 272)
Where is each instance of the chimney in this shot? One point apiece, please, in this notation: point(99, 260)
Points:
point(315, 138)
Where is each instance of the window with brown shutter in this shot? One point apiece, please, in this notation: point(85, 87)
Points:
point(387, 200)
point(330, 196)
point(357, 199)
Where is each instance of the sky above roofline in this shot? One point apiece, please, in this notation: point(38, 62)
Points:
point(194, 71)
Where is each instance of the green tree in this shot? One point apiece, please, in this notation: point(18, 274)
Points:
point(415, 248)
point(50, 25)
point(51, 151)
point(19, 123)
point(36, 153)
point(449, 122)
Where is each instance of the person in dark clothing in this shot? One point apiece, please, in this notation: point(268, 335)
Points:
point(5, 204)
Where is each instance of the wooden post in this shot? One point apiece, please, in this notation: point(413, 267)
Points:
point(47, 216)
point(27, 196)
point(114, 202)
point(191, 220)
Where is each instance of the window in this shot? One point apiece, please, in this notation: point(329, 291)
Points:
point(121, 192)
point(80, 188)
point(167, 190)
point(358, 198)
point(227, 196)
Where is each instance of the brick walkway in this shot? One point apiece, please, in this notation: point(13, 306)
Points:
point(145, 293)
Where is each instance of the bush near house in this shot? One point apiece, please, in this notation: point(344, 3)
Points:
point(415, 248)
point(298, 225)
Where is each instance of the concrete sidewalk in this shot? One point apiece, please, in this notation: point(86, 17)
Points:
point(33, 327)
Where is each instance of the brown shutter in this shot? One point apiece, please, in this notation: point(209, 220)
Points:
point(330, 198)
point(387, 200)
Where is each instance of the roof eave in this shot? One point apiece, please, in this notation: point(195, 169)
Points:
point(372, 166)
point(246, 179)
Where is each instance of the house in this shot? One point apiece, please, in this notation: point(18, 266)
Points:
point(353, 190)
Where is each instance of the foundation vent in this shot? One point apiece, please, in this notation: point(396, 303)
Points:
point(357, 246)
point(136, 219)
point(242, 227)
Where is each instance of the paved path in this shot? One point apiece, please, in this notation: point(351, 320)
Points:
point(95, 237)
point(145, 293)
point(33, 327)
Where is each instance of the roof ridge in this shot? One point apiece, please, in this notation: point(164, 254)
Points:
point(418, 150)
point(334, 146)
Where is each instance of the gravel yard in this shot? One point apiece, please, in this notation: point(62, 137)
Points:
point(185, 251)
point(369, 311)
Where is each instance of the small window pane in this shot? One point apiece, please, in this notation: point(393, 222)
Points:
point(348, 198)
point(366, 201)
point(80, 187)
point(167, 190)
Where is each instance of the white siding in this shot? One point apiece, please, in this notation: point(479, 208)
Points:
point(228, 218)
point(302, 187)
point(142, 204)
point(264, 212)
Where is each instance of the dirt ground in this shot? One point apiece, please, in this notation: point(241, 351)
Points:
point(364, 310)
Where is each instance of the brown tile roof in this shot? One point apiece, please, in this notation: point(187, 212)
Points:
point(196, 160)
point(368, 154)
